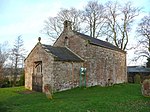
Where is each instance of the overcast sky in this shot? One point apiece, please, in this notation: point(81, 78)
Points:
point(26, 17)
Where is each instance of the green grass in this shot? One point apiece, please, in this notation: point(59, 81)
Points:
point(118, 98)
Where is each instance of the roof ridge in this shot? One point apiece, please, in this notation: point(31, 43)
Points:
point(99, 42)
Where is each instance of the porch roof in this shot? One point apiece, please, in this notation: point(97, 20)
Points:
point(62, 53)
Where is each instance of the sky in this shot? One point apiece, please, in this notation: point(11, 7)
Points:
point(26, 18)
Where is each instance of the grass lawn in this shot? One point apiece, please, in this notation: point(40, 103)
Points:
point(118, 98)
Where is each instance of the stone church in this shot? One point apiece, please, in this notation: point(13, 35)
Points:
point(60, 65)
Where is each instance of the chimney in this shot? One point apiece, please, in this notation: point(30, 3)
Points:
point(67, 25)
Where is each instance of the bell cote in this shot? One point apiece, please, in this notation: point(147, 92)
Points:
point(67, 25)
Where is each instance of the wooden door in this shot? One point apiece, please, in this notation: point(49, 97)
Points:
point(37, 77)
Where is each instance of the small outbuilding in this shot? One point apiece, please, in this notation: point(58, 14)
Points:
point(140, 72)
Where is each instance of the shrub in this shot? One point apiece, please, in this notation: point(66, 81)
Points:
point(137, 79)
point(22, 80)
point(4, 82)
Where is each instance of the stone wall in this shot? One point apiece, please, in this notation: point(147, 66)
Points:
point(38, 54)
point(60, 75)
point(104, 66)
point(66, 75)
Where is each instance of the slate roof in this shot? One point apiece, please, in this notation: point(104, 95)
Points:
point(137, 69)
point(62, 53)
point(98, 42)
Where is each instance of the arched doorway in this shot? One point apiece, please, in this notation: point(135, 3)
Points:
point(37, 76)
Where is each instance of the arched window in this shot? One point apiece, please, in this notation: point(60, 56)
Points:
point(66, 41)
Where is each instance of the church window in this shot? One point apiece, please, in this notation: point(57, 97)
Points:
point(66, 41)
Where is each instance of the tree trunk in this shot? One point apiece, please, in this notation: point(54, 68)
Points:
point(16, 72)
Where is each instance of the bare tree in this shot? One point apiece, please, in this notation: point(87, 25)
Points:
point(143, 31)
point(73, 15)
point(94, 17)
point(111, 20)
point(119, 21)
point(3, 59)
point(16, 57)
point(54, 25)
point(3, 55)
